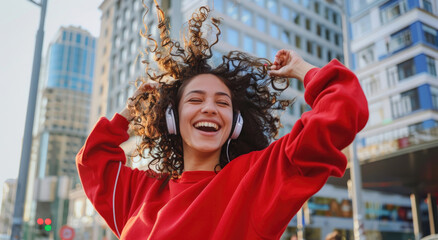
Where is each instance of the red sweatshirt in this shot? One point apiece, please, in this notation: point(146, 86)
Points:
point(253, 197)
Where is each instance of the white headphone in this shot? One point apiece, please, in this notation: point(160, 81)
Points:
point(171, 123)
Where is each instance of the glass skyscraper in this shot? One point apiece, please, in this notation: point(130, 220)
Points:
point(61, 127)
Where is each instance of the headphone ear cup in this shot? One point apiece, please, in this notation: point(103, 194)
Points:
point(170, 120)
point(237, 126)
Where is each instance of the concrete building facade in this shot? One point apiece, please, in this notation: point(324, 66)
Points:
point(7, 206)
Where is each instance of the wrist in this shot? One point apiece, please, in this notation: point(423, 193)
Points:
point(301, 70)
point(126, 114)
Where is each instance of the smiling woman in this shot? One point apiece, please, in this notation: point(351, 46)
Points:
point(209, 131)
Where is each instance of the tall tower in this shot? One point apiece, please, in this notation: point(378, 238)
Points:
point(61, 130)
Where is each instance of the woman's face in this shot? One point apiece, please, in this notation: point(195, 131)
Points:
point(205, 114)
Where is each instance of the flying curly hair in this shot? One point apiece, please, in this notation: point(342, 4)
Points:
point(254, 93)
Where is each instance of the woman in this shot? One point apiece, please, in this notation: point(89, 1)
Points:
point(213, 173)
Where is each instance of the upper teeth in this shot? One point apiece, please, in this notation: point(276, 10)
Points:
point(207, 124)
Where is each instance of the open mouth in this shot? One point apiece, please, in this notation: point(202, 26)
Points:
point(207, 126)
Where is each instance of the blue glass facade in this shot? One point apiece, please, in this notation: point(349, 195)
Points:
point(71, 63)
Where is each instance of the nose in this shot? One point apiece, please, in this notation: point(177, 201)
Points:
point(209, 107)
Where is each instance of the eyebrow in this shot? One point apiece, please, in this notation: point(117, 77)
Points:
point(203, 92)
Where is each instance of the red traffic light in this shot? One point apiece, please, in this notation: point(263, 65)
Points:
point(40, 221)
point(48, 221)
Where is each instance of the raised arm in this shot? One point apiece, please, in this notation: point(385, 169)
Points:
point(114, 189)
point(297, 165)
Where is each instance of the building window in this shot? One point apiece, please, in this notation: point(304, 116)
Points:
point(272, 6)
point(316, 7)
point(298, 41)
point(126, 13)
point(434, 95)
point(120, 99)
point(132, 70)
point(118, 23)
point(134, 26)
point(217, 5)
point(361, 26)
point(78, 38)
point(327, 35)
point(246, 16)
point(337, 40)
point(261, 3)
point(274, 52)
point(430, 35)
point(318, 29)
point(296, 18)
point(365, 56)
point(400, 40)
point(427, 5)
point(125, 33)
point(406, 69)
point(431, 67)
point(335, 18)
point(306, 3)
point(309, 47)
point(405, 103)
point(326, 13)
point(232, 36)
point(132, 47)
point(261, 24)
point(274, 30)
point(124, 54)
point(286, 13)
point(261, 49)
point(308, 24)
point(232, 10)
point(319, 51)
point(117, 41)
point(248, 44)
point(285, 36)
point(393, 10)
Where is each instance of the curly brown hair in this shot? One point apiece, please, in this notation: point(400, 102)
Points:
point(254, 92)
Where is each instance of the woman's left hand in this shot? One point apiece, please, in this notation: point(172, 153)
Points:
point(289, 64)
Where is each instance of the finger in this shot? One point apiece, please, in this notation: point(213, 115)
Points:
point(274, 67)
point(274, 73)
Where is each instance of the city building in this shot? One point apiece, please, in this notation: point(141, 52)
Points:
point(394, 52)
point(61, 128)
point(102, 63)
point(7, 206)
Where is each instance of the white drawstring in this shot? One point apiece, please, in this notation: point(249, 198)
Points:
point(228, 144)
point(114, 197)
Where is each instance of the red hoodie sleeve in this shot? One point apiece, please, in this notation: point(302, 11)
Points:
point(284, 175)
point(114, 189)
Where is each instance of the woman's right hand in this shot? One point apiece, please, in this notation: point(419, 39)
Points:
point(145, 87)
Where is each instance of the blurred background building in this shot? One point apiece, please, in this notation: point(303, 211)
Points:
point(7, 207)
point(394, 47)
point(61, 129)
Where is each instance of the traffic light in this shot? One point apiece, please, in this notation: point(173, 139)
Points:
point(44, 227)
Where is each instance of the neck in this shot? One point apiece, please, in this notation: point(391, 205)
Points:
point(200, 161)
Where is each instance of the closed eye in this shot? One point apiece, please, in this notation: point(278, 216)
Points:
point(223, 103)
point(196, 100)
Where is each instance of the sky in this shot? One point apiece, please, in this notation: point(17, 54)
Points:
point(19, 21)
